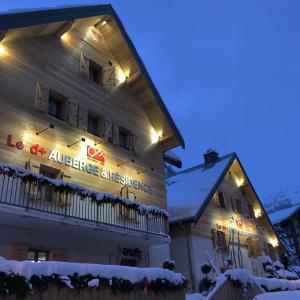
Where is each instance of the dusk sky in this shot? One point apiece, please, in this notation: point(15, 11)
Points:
point(229, 74)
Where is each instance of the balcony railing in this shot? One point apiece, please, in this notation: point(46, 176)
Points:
point(34, 192)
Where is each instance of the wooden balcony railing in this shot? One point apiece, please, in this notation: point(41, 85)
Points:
point(23, 188)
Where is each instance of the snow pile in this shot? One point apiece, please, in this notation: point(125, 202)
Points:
point(291, 295)
point(16, 171)
point(240, 276)
point(48, 268)
point(275, 284)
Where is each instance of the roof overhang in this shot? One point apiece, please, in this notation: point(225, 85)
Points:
point(142, 86)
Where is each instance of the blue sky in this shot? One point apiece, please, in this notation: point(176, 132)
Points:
point(229, 73)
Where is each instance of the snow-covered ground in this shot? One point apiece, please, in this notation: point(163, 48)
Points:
point(289, 295)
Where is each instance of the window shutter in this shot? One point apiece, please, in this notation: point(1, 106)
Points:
point(251, 211)
point(115, 129)
point(135, 144)
point(233, 204)
point(221, 198)
point(41, 97)
point(19, 251)
point(84, 66)
point(222, 241)
point(101, 127)
point(239, 206)
point(215, 239)
point(83, 117)
point(108, 76)
point(246, 210)
point(72, 113)
point(108, 133)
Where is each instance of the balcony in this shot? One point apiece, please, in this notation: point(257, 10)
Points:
point(71, 202)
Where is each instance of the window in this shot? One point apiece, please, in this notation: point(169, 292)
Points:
point(95, 72)
point(220, 199)
point(239, 206)
point(127, 213)
point(45, 190)
point(37, 255)
point(92, 125)
point(124, 138)
point(56, 104)
point(219, 240)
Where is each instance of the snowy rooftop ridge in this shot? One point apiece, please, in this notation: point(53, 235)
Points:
point(281, 215)
point(188, 190)
point(13, 170)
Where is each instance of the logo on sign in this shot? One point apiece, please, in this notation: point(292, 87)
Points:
point(96, 154)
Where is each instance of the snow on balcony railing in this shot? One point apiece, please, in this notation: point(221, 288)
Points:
point(24, 188)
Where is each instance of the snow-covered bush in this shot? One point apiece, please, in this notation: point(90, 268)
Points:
point(21, 278)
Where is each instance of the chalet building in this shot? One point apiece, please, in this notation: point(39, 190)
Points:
point(288, 221)
point(217, 218)
point(82, 141)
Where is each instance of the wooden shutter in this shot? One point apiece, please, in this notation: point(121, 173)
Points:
point(84, 66)
point(108, 76)
point(115, 129)
point(239, 206)
point(83, 117)
point(19, 251)
point(135, 144)
point(101, 127)
point(41, 97)
point(72, 113)
point(251, 248)
point(251, 211)
point(215, 239)
point(108, 133)
point(246, 210)
point(221, 199)
point(233, 204)
point(222, 241)
point(58, 254)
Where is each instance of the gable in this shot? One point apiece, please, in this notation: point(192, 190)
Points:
point(23, 25)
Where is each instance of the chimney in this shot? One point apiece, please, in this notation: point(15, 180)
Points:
point(211, 156)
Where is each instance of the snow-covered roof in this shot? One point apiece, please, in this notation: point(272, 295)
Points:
point(189, 191)
point(281, 215)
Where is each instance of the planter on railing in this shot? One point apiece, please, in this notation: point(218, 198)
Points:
point(24, 188)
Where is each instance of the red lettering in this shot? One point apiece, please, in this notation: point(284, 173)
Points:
point(42, 151)
point(9, 141)
point(19, 145)
point(34, 149)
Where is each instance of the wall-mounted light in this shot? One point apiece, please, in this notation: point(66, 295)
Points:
point(2, 50)
point(81, 140)
point(155, 136)
point(126, 162)
point(51, 126)
point(60, 33)
point(102, 22)
point(145, 170)
point(274, 242)
point(257, 212)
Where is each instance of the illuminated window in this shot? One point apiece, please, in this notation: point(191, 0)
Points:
point(37, 255)
point(95, 72)
point(56, 104)
point(124, 138)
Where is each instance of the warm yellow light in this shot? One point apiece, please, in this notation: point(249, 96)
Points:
point(155, 136)
point(2, 50)
point(65, 37)
point(104, 23)
point(122, 75)
point(239, 181)
point(274, 242)
point(257, 212)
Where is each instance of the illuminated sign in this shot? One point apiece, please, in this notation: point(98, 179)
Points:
point(81, 165)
